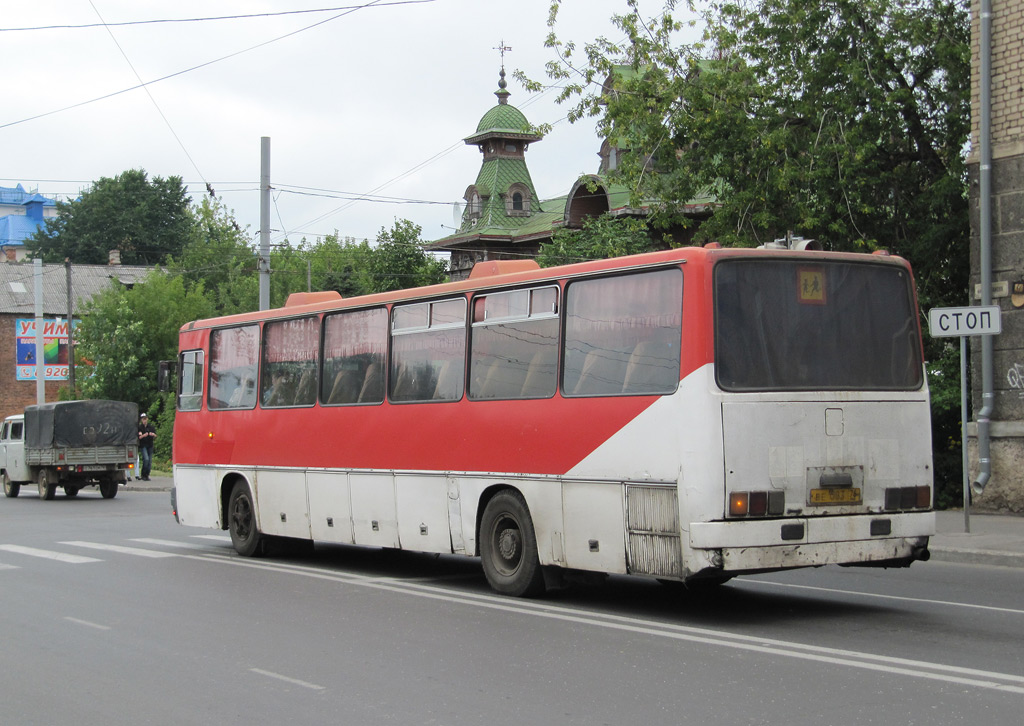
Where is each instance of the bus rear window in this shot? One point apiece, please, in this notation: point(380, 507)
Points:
point(794, 325)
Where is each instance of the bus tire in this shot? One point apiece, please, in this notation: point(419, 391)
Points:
point(11, 489)
point(108, 487)
point(245, 534)
point(508, 546)
point(47, 488)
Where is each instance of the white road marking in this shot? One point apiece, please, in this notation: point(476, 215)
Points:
point(49, 555)
point(87, 623)
point(286, 679)
point(214, 537)
point(1003, 682)
point(120, 549)
point(8, 567)
point(173, 543)
point(880, 596)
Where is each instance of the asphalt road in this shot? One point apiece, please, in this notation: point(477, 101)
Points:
point(114, 614)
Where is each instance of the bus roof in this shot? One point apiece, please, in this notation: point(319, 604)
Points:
point(496, 276)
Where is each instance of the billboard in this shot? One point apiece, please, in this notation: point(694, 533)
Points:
point(55, 349)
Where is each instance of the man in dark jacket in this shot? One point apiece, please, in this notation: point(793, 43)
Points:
point(147, 434)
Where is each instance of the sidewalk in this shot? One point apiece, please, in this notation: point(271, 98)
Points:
point(995, 539)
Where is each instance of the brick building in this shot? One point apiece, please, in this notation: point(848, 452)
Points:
point(1005, 489)
point(17, 301)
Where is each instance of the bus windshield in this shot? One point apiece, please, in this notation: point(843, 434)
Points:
point(795, 325)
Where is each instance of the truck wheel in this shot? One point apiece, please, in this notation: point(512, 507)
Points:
point(10, 488)
point(108, 488)
point(508, 546)
point(245, 534)
point(47, 488)
point(70, 491)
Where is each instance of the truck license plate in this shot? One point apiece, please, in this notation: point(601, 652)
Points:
point(835, 496)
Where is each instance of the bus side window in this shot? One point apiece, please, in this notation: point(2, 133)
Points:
point(623, 334)
point(291, 351)
point(514, 350)
point(428, 351)
point(234, 357)
point(190, 380)
point(355, 344)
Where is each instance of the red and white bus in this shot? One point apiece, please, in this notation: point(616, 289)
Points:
point(687, 415)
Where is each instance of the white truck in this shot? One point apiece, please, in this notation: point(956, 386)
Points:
point(69, 444)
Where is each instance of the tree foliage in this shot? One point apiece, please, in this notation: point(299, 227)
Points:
point(599, 238)
point(144, 219)
point(398, 261)
point(124, 332)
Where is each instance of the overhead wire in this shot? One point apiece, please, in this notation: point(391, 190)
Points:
point(148, 92)
point(195, 67)
point(245, 16)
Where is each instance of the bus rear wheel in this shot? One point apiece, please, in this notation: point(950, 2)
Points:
point(508, 546)
point(245, 535)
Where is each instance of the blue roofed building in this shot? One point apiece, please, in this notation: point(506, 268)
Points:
point(21, 214)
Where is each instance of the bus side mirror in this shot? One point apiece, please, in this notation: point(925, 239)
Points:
point(164, 371)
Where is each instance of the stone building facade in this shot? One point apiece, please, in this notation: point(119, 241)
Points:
point(1005, 490)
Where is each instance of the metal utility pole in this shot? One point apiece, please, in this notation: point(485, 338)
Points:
point(37, 268)
point(264, 264)
point(71, 330)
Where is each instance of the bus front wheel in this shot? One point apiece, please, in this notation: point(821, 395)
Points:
point(508, 546)
point(245, 535)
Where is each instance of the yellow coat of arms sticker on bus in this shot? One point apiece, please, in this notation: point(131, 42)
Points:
point(811, 286)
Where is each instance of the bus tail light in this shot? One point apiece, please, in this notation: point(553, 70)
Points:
point(756, 504)
point(908, 498)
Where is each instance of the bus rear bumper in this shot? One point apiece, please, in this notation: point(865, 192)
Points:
point(889, 540)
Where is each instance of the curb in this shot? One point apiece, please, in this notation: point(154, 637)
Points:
point(977, 557)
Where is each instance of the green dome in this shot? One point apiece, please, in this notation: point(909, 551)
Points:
point(504, 118)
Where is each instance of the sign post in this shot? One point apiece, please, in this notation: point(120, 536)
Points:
point(963, 322)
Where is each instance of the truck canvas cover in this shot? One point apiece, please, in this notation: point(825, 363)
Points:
point(76, 424)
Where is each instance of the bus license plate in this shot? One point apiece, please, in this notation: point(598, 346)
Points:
point(835, 496)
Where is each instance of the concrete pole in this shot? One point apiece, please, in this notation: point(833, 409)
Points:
point(264, 263)
point(37, 268)
point(71, 330)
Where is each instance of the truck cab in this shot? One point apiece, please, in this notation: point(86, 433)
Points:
point(13, 469)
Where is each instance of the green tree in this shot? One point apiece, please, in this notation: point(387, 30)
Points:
point(398, 261)
point(599, 238)
point(219, 258)
point(145, 220)
point(124, 332)
point(842, 120)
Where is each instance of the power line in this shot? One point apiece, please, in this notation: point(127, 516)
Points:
point(200, 20)
point(197, 67)
point(148, 93)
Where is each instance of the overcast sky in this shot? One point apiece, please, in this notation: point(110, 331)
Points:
point(373, 100)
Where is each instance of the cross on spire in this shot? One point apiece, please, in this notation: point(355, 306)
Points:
point(501, 48)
